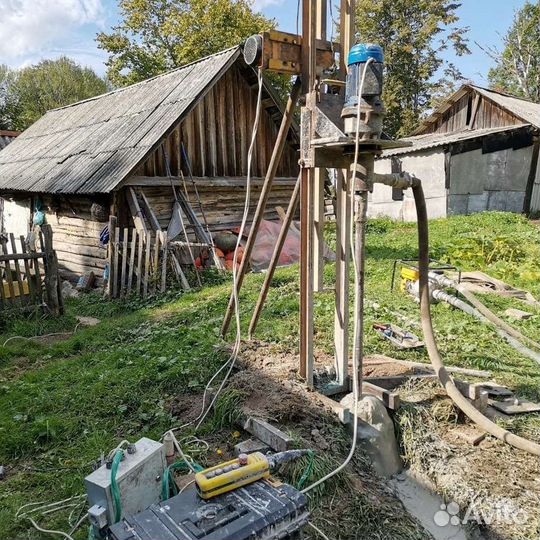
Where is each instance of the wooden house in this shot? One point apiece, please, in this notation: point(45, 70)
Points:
point(189, 128)
point(477, 151)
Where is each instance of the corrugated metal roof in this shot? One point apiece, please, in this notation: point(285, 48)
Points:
point(7, 137)
point(432, 140)
point(91, 146)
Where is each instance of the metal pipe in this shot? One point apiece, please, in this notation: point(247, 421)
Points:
point(291, 209)
point(277, 152)
point(362, 180)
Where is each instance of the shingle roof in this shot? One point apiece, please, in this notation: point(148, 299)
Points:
point(91, 146)
point(433, 140)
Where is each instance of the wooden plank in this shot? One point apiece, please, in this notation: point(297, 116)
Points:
point(124, 262)
point(115, 261)
point(147, 250)
point(153, 220)
point(29, 278)
point(52, 285)
point(135, 210)
point(111, 248)
point(341, 313)
point(22, 256)
point(318, 229)
point(155, 273)
point(204, 182)
point(140, 234)
point(131, 260)
point(164, 261)
point(390, 399)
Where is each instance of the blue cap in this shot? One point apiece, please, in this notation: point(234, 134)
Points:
point(364, 51)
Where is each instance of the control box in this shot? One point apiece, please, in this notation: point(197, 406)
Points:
point(233, 474)
point(265, 510)
point(138, 478)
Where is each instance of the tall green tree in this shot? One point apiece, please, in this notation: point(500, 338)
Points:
point(518, 66)
point(28, 93)
point(414, 35)
point(158, 35)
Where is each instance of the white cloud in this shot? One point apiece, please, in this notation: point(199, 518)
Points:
point(261, 4)
point(30, 27)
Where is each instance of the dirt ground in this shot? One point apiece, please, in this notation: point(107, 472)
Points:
point(496, 486)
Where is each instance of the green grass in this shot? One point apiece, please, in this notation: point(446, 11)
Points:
point(63, 404)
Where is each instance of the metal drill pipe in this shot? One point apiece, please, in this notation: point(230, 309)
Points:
point(263, 198)
point(361, 181)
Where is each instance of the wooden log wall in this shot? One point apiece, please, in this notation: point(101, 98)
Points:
point(216, 135)
point(488, 115)
point(77, 226)
point(222, 201)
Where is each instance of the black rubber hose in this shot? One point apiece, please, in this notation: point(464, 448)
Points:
point(436, 361)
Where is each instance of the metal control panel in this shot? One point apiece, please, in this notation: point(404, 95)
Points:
point(139, 482)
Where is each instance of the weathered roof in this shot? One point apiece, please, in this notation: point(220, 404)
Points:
point(7, 136)
point(527, 111)
point(91, 146)
point(433, 140)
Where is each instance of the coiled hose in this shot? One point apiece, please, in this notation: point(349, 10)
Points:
point(436, 361)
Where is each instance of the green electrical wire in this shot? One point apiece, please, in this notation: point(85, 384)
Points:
point(168, 477)
point(114, 486)
point(308, 471)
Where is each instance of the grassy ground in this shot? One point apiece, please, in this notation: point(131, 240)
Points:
point(63, 403)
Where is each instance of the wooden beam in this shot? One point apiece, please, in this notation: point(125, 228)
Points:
point(135, 210)
point(219, 181)
point(346, 32)
point(318, 229)
point(152, 218)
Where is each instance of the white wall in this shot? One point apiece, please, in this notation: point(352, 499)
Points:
point(492, 181)
point(429, 167)
point(15, 216)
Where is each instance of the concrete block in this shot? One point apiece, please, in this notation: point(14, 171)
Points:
point(458, 205)
point(477, 203)
point(250, 446)
point(272, 436)
point(470, 434)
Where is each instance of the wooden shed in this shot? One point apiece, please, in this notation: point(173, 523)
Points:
point(478, 151)
point(96, 158)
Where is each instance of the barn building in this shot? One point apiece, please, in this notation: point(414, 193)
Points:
point(83, 163)
point(478, 151)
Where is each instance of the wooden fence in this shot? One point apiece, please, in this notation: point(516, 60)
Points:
point(28, 277)
point(137, 261)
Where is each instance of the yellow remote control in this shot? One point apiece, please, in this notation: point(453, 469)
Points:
point(233, 474)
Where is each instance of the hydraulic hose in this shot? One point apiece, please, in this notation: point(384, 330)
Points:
point(436, 361)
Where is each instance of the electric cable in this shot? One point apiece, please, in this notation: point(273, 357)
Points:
point(238, 339)
point(356, 389)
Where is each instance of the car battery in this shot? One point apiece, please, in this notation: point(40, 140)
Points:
point(266, 510)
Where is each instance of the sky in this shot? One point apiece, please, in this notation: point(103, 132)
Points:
point(32, 30)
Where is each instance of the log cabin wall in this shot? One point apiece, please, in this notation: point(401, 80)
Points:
point(77, 222)
point(216, 135)
point(483, 113)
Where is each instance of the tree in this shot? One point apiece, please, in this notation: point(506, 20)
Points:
point(414, 34)
point(158, 35)
point(518, 66)
point(27, 94)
